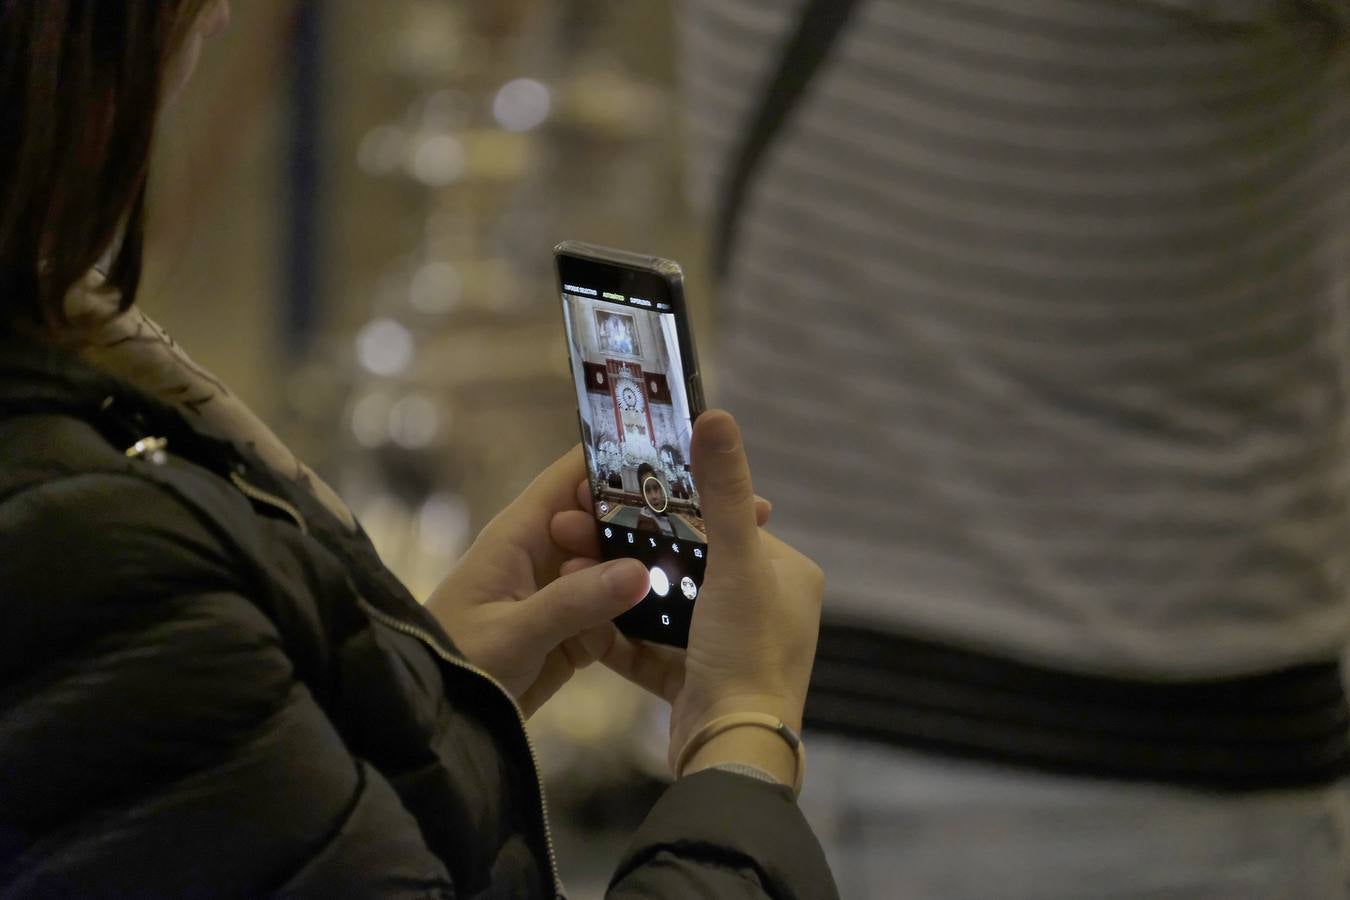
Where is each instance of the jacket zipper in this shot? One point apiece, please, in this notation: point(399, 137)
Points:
point(261, 496)
point(430, 640)
point(272, 500)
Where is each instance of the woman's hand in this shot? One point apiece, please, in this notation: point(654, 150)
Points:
point(515, 607)
point(753, 636)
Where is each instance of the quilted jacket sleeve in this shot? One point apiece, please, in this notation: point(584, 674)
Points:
point(154, 740)
point(715, 834)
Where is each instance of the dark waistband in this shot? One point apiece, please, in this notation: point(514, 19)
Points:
point(1280, 729)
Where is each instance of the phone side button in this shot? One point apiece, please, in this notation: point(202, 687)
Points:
point(695, 385)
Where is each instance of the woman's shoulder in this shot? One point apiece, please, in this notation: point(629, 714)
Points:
point(93, 545)
point(77, 511)
point(40, 446)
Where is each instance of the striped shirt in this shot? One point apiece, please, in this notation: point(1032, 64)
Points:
point(1039, 325)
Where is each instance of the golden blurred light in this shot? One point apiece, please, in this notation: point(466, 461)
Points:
point(436, 287)
point(381, 150)
point(436, 160)
point(521, 104)
point(370, 419)
point(384, 347)
point(414, 421)
point(443, 525)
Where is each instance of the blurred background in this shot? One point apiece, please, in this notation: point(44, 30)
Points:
point(362, 198)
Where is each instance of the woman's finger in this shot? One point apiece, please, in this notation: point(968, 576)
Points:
point(524, 520)
point(722, 473)
point(574, 533)
point(555, 673)
point(763, 509)
point(574, 648)
point(576, 564)
point(572, 603)
point(652, 667)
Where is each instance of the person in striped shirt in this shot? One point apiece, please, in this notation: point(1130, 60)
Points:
point(1037, 319)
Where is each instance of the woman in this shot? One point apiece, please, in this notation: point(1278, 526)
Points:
point(209, 685)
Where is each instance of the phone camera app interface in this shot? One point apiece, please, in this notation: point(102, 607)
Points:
point(636, 426)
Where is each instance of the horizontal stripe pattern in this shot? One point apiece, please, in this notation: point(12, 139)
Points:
point(1282, 729)
point(1039, 320)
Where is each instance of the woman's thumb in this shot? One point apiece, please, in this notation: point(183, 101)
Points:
point(722, 474)
point(573, 603)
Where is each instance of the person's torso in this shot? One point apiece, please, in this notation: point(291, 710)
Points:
point(1061, 288)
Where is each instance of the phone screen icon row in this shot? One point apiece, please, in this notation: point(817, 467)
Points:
point(624, 535)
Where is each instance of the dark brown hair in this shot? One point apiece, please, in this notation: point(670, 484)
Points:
point(80, 89)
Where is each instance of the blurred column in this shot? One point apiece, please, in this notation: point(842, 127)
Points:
point(301, 270)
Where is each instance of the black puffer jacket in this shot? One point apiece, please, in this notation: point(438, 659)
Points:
point(208, 688)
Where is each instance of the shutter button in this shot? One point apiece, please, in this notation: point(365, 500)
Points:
point(150, 448)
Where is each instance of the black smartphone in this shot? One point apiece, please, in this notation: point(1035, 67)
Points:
point(639, 391)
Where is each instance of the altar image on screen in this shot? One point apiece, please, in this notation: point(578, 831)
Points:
point(635, 417)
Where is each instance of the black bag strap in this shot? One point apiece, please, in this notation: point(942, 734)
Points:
point(820, 23)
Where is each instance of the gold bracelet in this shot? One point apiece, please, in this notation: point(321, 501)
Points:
point(757, 720)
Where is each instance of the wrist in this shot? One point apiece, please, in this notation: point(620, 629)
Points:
point(748, 771)
point(691, 715)
point(752, 746)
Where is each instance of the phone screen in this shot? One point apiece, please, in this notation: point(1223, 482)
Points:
point(636, 420)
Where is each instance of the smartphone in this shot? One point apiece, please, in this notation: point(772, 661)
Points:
point(632, 359)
